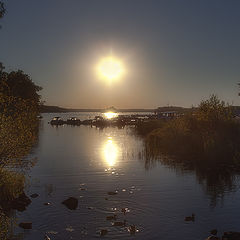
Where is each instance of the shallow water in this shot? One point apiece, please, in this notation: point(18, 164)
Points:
point(86, 163)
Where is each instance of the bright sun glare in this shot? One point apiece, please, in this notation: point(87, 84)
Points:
point(110, 68)
point(110, 115)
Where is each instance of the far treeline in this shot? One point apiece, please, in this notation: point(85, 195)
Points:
point(19, 110)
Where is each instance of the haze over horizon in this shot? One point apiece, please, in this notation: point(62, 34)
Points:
point(175, 52)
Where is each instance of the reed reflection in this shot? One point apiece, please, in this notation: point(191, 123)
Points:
point(110, 152)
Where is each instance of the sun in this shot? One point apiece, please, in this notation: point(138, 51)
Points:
point(110, 68)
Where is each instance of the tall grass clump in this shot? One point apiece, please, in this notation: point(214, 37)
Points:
point(208, 136)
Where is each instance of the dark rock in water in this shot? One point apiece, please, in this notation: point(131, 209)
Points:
point(213, 238)
point(25, 225)
point(21, 202)
point(125, 210)
point(132, 229)
point(47, 203)
point(112, 193)
point(103, 232)
point(190, 218)
point(47, 237)
point(214, 232)
point(35, 195)
point(71, 203)
point(231, 236)
point(113, 217)
point(120, 224)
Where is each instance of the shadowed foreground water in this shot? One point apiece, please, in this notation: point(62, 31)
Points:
point(86, 163)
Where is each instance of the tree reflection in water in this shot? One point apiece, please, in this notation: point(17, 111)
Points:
point(215, 180)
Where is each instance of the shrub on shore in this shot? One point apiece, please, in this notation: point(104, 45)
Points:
point(209, 135)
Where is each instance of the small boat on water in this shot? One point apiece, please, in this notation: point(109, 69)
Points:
point(73, 121)
point(57, 121)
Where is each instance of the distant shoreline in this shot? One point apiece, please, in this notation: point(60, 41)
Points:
point(56, 109)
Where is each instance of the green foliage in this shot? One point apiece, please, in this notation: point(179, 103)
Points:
point(19, 108)
point(18, 130)
point(5, 224)
point(207, 136)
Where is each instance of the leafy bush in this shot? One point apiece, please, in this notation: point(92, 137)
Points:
point(207, 136)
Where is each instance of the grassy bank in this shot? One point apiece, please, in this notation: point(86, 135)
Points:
point(209, 136)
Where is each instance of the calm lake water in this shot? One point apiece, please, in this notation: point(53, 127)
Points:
point(86, 163)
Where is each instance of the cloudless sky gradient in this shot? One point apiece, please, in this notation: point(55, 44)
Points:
point(175, 52)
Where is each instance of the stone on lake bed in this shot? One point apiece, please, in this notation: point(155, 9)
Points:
point(71, 203)
point(25, 225)
point(47, 203)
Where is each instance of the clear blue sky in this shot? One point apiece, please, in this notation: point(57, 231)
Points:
point(176, 52)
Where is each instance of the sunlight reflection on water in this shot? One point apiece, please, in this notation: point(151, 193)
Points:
point(110, 152)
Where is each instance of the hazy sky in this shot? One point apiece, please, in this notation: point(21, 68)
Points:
point(175, 52)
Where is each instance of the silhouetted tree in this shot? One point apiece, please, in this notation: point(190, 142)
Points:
point(20, 85)
point(2, 9)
